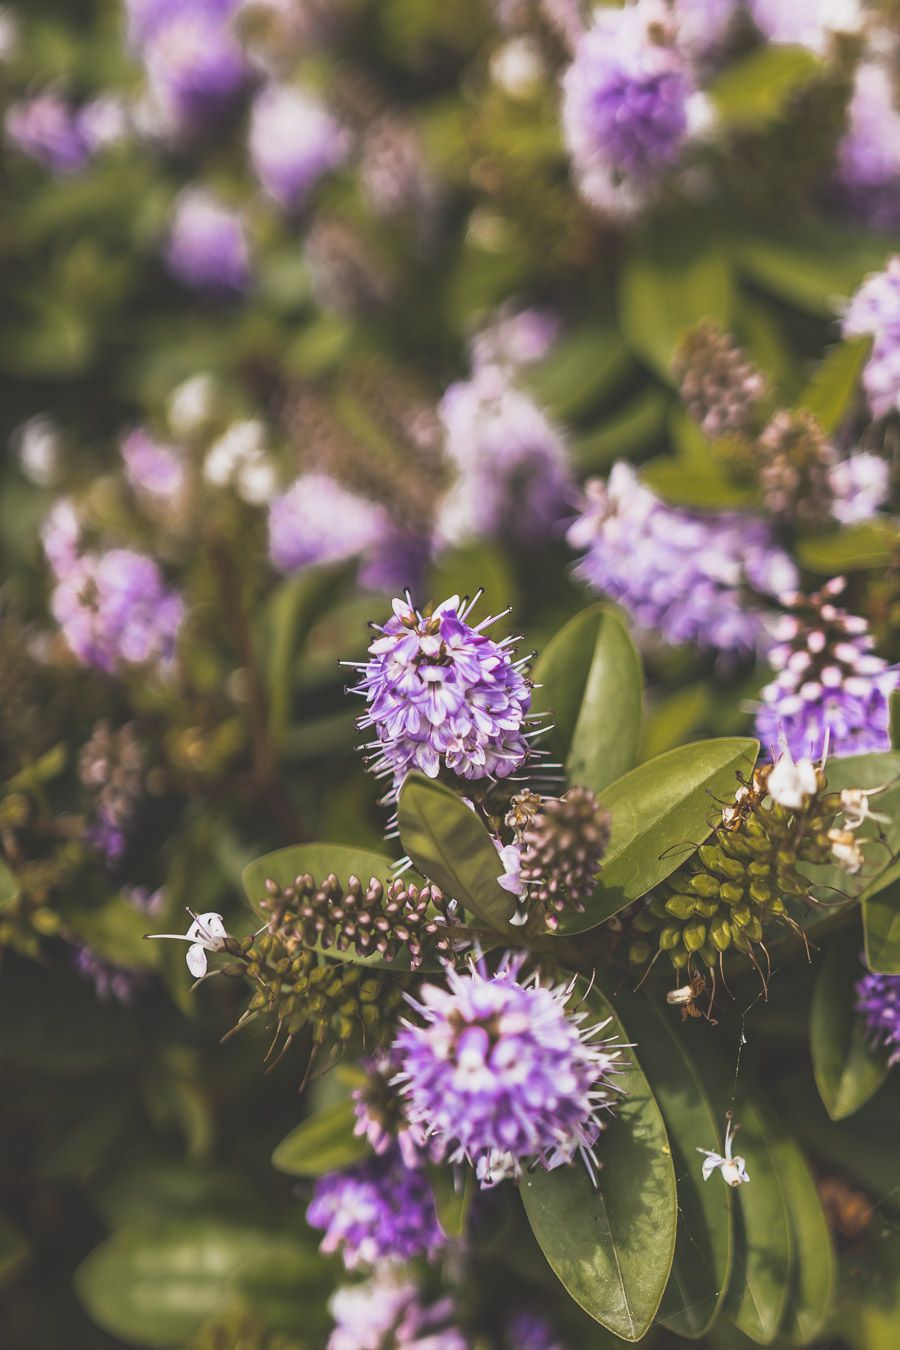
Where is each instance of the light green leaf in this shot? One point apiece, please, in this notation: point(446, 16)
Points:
point(661, 813)
point(703, 1249)
point(156, 1284)
point(639, 426)
point(325, 1142)
point(674, 275)
point(449, 845)
point(881, 922)
point(9, 886)
point(589, 678)
point(453, 1194)
point(812, 1282)
point(612, 1246)
point(580, 368)
point(832, 390)
point(754, 90)
point(847, 1068)
point(115, 931)
point(671, 721)
point(854, 549)
point(703, 489)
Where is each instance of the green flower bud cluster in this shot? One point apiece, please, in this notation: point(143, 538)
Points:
point(302, 990)
point(738, 882)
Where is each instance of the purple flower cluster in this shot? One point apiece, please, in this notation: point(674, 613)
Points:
point(388, 1311)
point(868, 168)
point(378, 1210)
point(193, 61)
point(113, 608)
point(860, 486)
point(878, 999)
point(498, 1073)
point(62, 138)
point(515, 338)
point(680, 574)
point(318, 521)
point(512, 471)
point(626, 106)
point(151, 469)
point(831, 694)
point(702, 25)
point(293, 141)
point(442, 693)
point(875, 309)
point(207, 246)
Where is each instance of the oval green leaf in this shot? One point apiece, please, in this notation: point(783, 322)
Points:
point(848, 1068)
point(812, 1281)
point(325, 1142)
point(589, 677)
point(612, 1246)
point(449, 845)
point(753, 90)
point(832, 390)
point(661, 813)
point(703, 1249)
point(881, 922)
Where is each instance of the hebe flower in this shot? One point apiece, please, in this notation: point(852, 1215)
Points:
point(293, 142)
point(860, 485)
point(207, 246)
point(498, 1073)
point(679, 574)
point(387, 1310)
point(868, 167)
point(626, 106)
point(47, 129)
point(511, 464)
point(831, 693)
point(114, 609)
point(152, 469)
point(515, 338)
point(194, 66)
point(378, 1210)
point(147, 17)
point(443, 694)
point(318, 521)
point(878, 999)
point(875, 309)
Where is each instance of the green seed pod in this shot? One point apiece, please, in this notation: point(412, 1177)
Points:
point(695, 935)
point(720, 934)
point(704, 885)
point(682, 906)
point(669, 937)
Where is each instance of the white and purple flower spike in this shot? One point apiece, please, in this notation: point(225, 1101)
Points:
point(733, 1169)
point(207, 933)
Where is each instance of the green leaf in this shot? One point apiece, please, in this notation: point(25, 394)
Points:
point(319, 860)
point(9, 886)
point(13, 1249)
point(580, 368)
point(292, 610)
point(832, 390)
point(704, 489)
point(661, 813)
point(763, 1252)
point(881, 922)
point(628, 431)
point(115, 931)
point(453, 1194)
point(461, 571)
point(325, 1142)
point(671, 721)
point(449, 845)
point(283, 1287)
point(612, 1246)
point(848, 1070)
point(813, 265)
point(589, 677)
point(156, 1284)
point(863, 1147)
point(674, 275)
point(813, 1277)
point(854, 549)
point(755, 89)
point(703, 1249)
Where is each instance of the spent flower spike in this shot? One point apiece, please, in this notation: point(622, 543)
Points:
point(733, 1168)
point(207, 933)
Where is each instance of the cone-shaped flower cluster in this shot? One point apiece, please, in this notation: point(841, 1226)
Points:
point(499, 1073)
point(720, 387)
point(831, 693)
point(795, 469)
point(442, 694)
point(561, 844)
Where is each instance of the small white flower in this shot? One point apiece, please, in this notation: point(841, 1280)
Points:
point(191, 405)
point(847, 850)
point(207, 933)
point(733, 1169)
point(791, 785)
point(856, 809)
point(511, 878)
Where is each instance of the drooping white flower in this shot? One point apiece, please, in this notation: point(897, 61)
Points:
point(847, 850)
point(733, 1168)
point(207, 933)
point(790, 784)
point(856, 809)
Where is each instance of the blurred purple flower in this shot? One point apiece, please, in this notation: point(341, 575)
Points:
point(878, 999)
point(317, 521)
point(808, 23)
point(195, 67)
point(515, 338)
point(147, 17)
point(109, 981)
point(207, 246)
point(875, 309)
point(48, 129)
point(443, 693)
point(680, 574)
point(627, 106)
point(529, 1330)
point(701, 25)
point(499, 1073)
point(376, 1211)
point(293, 141)
point(156, 470)
point(860, 486)
point(387, 1311)
point(868, 168)
point(114, 609)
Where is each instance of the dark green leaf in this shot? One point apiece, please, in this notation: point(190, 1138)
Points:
point(639, 426)
point(156, 1284)
point(453, 1193)
point(283, 1288)
point(754, 90)
point(812, 1281)
point(325, 1142)
point(580, 368)
point(661, 812)
point(881, 922)
point(832, 390)
point(9, 886)
point(589, 678)
point(449, 845)
point(848, 1069)
point(115, 931)
point(703, 1249)
point(864, 1147)
point(674, 275)
point(853, 549)
point(612, 1246)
